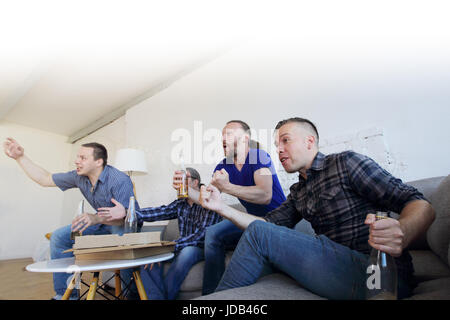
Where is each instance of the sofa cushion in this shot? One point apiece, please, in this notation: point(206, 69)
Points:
point(428, 266)
point(275, 286)
point(305, 227)
point(432, 285)
point(438, 235)
point(432, 290)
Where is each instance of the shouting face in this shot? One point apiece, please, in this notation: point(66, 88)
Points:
point(85, 162)
point(296, 147)
point(234, 139)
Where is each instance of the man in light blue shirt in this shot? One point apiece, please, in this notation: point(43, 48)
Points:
point(102, 186)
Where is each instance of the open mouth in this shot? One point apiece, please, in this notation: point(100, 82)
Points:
point(283, 159)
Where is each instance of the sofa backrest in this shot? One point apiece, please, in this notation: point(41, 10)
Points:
point(171, 232)
point(428, 187)
point(438, 235)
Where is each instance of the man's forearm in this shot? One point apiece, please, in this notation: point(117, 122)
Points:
point(102, 220)
point(253, 194)
point(415, 219)
point(239, 218)
point(36, 173)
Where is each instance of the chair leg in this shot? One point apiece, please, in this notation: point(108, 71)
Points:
point(139, 285)
point(118, 285)
point(93, 287)
point(70, 287)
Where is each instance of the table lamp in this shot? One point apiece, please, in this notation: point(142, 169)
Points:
point(131, 160)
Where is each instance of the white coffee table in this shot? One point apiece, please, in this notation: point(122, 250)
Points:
point(68, 265)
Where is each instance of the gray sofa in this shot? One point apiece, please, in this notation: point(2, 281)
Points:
point(431, 259)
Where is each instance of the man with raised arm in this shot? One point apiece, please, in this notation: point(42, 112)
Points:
point(101, 184)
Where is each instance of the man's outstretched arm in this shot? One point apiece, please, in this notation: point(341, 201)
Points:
point(210, 199)
point(39, 175)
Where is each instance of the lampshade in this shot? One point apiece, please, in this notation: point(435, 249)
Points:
point(131, 160)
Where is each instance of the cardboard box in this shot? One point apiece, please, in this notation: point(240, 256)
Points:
point(115, 247)
point(113, 240)
point(124, 252)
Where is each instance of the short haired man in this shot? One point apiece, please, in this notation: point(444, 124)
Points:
point(192, 222)
point(338, 194)
point(247, 174)
point(102, 185)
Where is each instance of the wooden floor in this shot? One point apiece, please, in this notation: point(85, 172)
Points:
point(18, 284)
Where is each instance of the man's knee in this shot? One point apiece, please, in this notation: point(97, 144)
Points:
point(255, 230)
point(189, 252)
point(213, 236)
point(257, 226)
point(60, 235)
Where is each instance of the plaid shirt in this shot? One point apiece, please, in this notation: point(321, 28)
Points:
point(339, 192)
point(192, 221)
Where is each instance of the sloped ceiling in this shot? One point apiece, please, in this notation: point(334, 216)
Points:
point(66, 64)
point(70, 66)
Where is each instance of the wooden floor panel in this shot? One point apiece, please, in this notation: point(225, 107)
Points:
point(18, 284)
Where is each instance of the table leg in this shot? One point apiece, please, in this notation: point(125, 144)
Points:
point(70, 287)
point(118, 284)
point(139, 285)
point(93, 287)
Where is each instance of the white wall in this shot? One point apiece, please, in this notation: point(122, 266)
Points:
point(402, 91)
point(27, 210)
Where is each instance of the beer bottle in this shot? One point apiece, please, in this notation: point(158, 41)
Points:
point(131, 219)
point(79, 212)
point(381, 283)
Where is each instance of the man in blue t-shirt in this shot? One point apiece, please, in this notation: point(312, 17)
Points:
point(101, 185)
point(247, 174)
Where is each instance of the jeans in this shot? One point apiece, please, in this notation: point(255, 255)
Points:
point(320, 265)
point(160, 287)
point(219, 237)
point(60, 241)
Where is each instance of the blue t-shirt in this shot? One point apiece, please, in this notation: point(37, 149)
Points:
point(256, 159)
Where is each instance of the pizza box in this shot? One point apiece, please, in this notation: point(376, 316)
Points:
point(120, 247)
point(113, 240)
point(125, 252)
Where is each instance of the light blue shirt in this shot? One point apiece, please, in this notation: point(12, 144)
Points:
point(112, 183)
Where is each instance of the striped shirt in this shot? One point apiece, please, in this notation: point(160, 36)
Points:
point(192, 221)
point(111, 183)
point(339, 192)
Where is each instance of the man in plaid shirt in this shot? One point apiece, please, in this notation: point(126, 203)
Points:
point(192, 222)
point(338, 194)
